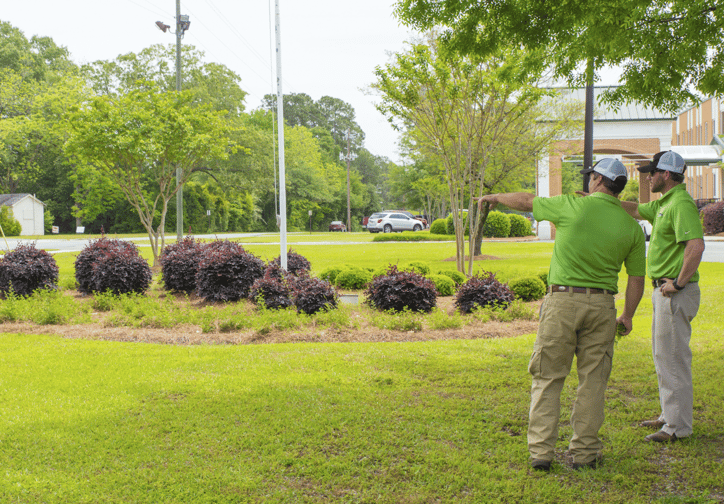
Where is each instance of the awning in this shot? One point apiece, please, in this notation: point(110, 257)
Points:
point(698, 155)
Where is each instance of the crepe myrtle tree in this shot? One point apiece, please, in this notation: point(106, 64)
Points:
point(140, 138)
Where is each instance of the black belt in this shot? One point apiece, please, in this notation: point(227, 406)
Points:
point(578, 290)
point(659, 282)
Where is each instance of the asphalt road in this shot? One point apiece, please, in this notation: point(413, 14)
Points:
point(714, 245)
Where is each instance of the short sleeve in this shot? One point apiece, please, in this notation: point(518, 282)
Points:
point(687, 225)
point(647, 211)
point(547, 209)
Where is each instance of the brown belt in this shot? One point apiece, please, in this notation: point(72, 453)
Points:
point(578, 290)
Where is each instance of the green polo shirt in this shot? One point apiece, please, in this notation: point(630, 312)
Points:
point(594, 237)
point(675, 221)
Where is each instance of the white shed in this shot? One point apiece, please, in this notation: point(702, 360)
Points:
point(28, 210)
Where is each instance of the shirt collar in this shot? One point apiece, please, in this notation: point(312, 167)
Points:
point(606, 197)
point(672, 191)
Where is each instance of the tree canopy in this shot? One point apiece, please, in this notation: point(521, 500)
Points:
point(668, 49)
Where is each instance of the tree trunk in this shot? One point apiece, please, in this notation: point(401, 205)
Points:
point(481, 218)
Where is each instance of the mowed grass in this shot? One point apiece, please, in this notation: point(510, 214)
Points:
point(445, 421)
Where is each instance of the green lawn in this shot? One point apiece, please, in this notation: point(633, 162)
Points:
point(105, 422)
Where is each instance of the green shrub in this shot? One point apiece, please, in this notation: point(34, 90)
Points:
point(450, 224)
point(497, 225)
point(528, 289)
point(444, 284)
point(10, 225)
point(419, 267)
point(439, 226)
point(353, 278)
point(543, 275)
point(458, 278)
point(519, 225)
point(330, 273)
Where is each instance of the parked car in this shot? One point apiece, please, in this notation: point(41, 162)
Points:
point(389, 222)
point(367, 220)
point(337, 225)
point(409, 214)
point(647, 227)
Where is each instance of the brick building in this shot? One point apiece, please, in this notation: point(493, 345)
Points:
point(633, 134)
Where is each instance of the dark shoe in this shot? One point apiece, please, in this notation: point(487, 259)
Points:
point(654, 424)
point(593, 464)
point(541, 465)
point(661, 437)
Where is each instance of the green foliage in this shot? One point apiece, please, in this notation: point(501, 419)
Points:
point(404, 320)
point(419, 267)
point(528, 289)
point(141, 138)
point(456, 276)
point(439, 226)
point(330, 273)
point(497, 225)
point(686, 32)
point(409, 236)
point(543, 275)
point(444, 284)
point(519, 225)
point(631, 191)
point(10, 225)
point(352, 277)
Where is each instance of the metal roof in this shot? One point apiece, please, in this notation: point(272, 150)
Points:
point(629, 112)
point(11, 199)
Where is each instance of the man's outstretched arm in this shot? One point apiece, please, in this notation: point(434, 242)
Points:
point(520, 201)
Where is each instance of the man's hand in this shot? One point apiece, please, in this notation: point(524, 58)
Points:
point(488, 198)
point(627, 323)
point(667, 289)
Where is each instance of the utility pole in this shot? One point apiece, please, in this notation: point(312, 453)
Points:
point(179, 175)
point(588, 131)
point(182, 24)
point(349, 211)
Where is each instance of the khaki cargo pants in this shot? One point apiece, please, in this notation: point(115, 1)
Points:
point(571, 324)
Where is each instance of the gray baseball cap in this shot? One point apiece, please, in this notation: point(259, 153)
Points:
point(609, 168)
point(665, 160)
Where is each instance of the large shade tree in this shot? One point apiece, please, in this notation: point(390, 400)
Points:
point(668, 50)
point(140, 138)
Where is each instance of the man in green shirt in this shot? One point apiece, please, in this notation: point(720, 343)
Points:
point(675, 251)
point(594, 237)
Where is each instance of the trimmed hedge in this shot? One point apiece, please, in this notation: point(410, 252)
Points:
point(439, 227)
point(444, 284)
point(528, 289)
point(352, 277)
point(419, 267)
point(497, 225)
point(519, 225)
point(457, 277)
point(120, 269)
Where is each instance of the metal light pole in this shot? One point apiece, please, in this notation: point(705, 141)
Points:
point(180, 193)
point(182, 24)
point(280, 136)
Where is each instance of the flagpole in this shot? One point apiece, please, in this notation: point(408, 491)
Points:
point(280, 136)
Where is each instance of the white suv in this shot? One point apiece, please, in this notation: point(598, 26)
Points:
point(392, 222)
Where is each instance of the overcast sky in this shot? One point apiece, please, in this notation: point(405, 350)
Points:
point(329, 47)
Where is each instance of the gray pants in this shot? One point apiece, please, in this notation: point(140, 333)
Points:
point(671, 332)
